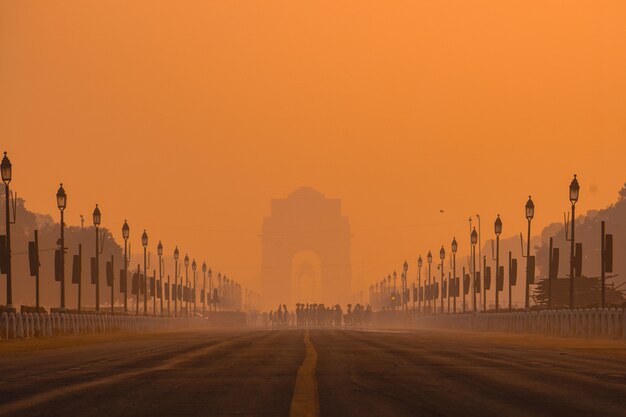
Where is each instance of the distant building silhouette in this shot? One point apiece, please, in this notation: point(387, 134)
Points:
point(306, 250)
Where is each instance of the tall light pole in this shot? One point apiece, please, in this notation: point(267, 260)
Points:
point(175, 292)
point(62, 204)
point(144, 242)
point(530, 213)
point(192, 292)
point(219, 290)
point(204, 288)
point(186, 284)
point(442, 256)
point(497, 227)
point(7, 173)
point(454, 249)
point(96, 225)
point(574, 190)
point(225, 298)
point(474, 240)
point(405, 268)
point(387, 282)
point(480, 256)
point(395, 289)
point(160, 254)
point(210, 288)
point(125, 235)
point(429, 260)
point(419, 283)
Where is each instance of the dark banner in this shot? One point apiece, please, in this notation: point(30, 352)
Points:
point(76, 269)
point(123, 287)
point(94, 270)
point(33, 258)
point(109, 272)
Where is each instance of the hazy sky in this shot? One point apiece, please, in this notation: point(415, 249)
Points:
point(186, 118)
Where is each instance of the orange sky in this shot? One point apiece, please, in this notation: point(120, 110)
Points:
point(186, 118)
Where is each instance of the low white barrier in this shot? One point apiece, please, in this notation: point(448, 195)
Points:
point(599, 323)
point(27, 325)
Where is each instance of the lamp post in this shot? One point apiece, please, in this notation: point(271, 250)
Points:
point(160, 255)
point(192, 292)
point(574, 190)
point(419, 282)
point(144, 242)
point(219, 290)
point(62, 204)
point(497, 227)
point(225, 297)
point(210, 295)
point(204, 288)
point(96, 224)
point(175, 292)
point(7, 173)
point(405, 268)
point(186, 284)
point(429, 260)
point(454, 249)
point(395, 289)
point(388, 289)
point(125, 235)
point(480, 256)
point(442, 256)
point(474, 240)
point(530, 213)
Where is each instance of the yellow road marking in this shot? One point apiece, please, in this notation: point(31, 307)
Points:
point(305, 401)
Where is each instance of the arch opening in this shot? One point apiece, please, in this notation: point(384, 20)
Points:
point(306, 277)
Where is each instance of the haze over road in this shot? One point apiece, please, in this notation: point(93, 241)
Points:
point(319, 371)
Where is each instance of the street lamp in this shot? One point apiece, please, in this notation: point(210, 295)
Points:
point(204, 288)
point(160, 255)
point(455, 247)
point(192, 293)
point(226, 297)
point(186, 261)
point(574, 191)
point(405, 268)
point(530, 213)
point(219, 291)
point(175, 291)
point(474, 240)
point(125, 235)
point(442, 256)
point(7, 173)
point(419, 283)
point(429, 260)
point(97, 217)
point(62, 204)
point(210, 288)
point(144, 242)
point(497, 228)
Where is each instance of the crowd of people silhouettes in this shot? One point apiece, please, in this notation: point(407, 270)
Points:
point(319, 315)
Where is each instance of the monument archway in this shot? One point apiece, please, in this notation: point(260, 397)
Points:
point(303, 228)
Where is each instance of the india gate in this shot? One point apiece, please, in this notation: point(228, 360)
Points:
point(306, 250)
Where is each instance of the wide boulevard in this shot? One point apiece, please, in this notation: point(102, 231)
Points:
point(327, 372)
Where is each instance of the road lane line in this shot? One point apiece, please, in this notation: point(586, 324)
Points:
point(55, 393)
point(305, 401)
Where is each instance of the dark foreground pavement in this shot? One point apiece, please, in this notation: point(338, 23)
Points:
point(354, 373)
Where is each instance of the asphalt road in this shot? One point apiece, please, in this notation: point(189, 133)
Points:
point(322, 372)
